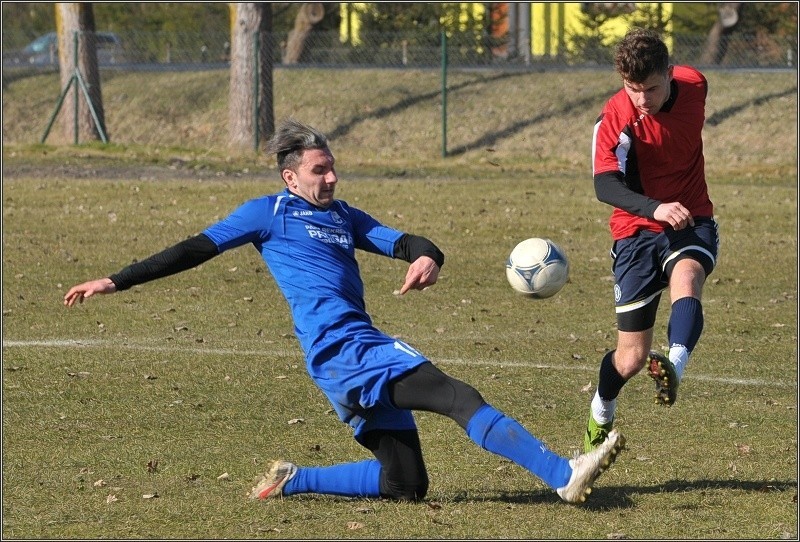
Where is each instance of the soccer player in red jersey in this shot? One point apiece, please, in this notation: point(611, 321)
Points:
point(647, 159)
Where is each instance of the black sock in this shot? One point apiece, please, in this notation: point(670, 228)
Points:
point(611, 381)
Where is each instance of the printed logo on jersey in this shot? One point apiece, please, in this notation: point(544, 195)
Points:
point(336, 218)
point(302, 213)
point(336, 236)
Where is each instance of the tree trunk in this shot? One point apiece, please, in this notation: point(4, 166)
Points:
point(308, 15)
point(78, 19)
point(716, 44)
point(251, 81)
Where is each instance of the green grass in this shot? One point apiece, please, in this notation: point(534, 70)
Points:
point(200, 373)
point(389, 123)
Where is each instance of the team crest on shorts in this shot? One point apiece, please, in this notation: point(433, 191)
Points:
point(617, 293)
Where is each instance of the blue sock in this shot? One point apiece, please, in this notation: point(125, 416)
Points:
point(360, 479)
point(494, 431)
point(685, 323)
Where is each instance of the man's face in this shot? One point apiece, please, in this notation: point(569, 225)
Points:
point(315, 178)
point(650, 95)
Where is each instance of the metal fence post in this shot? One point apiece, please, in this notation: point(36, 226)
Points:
point(256, 51)
point(77, 94)
point(80, 85)
point(444, 94)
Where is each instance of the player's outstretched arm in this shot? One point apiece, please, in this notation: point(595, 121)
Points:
point(185, 255)
point(79, 292)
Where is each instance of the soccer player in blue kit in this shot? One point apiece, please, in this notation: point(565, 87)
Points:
point(308, 241)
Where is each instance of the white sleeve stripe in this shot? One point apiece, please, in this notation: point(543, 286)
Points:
point(622, 150)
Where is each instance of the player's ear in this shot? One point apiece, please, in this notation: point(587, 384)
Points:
point(289, 178)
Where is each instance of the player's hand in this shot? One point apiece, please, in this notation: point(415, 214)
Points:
point(81, 291)
point(674, 214)
point(422, 272)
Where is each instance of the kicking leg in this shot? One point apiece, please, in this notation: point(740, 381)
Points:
point(428, 388)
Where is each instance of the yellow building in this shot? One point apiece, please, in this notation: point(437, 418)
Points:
point(551, 23)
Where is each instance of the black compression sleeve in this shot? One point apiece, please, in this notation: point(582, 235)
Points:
point(611, 188)
point(185, 255)
point(410, 247)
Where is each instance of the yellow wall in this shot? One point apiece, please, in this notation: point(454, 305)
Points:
point(547, 19)
point(550, 22)
point(355, 21)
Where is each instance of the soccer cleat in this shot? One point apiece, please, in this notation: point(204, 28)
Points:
point(662, 371)
point(596, 433)
point(271, 484)
point(587, 467)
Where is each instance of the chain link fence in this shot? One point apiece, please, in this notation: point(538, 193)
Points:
point(175, 50)
point(491, 101)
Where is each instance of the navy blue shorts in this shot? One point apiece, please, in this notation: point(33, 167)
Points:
point(643, 264)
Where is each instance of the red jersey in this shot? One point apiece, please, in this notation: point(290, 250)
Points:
point(659, 156)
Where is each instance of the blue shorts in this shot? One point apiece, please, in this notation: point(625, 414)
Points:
point(355, 378)
point(643, 264)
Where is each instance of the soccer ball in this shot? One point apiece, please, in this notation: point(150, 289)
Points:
point(537, 267)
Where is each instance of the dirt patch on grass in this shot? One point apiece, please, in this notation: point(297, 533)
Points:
point(112, 171)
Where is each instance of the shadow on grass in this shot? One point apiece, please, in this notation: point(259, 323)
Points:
point(606, 498)
point(492, 138)
point(411, 101)
point(724, 114)
point(13, 74)
point(486, 140)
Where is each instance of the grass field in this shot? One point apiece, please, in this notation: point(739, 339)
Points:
point(147, 414)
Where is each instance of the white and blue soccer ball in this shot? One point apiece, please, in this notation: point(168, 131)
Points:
point(537, 267)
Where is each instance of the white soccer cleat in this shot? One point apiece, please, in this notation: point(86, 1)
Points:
point(587, 467)
point(271, 484)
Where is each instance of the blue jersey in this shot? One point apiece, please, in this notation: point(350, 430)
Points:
point(311, 254)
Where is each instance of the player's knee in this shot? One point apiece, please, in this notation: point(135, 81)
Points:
point(466, 403)
point(405, 489)
point(629, 362)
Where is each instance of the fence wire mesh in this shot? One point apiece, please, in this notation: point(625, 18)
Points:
point(405, 78)
point(177, 50)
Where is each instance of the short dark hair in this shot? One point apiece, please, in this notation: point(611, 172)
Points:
point(640, 54)
point(291, 139)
